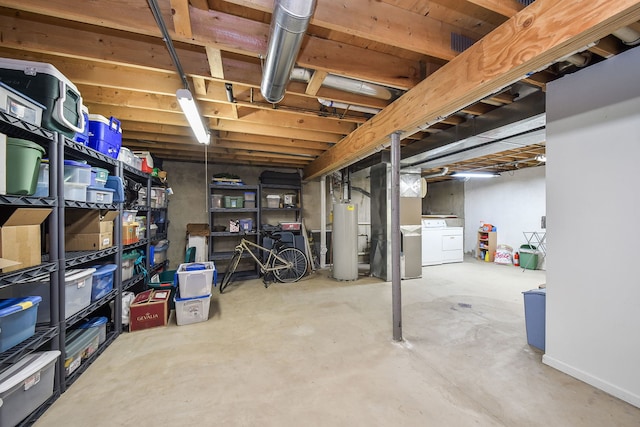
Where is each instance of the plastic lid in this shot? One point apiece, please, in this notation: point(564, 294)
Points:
point(25, 144)
point(96, 188)
point(76, 164)
point(177, 299)
point(24, 368)
point(14, 305)
point(97, 169)
point(130, 255)
point(104, 269)
point(78, 274)
point(542, 291)
point(94, 322)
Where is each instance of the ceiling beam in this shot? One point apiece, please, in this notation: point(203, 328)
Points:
point(533, 38)
point(180, 18)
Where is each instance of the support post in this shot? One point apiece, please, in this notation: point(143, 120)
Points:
point(323, 221)
point(395, 237)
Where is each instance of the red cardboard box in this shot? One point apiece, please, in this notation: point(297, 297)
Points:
point(149, 309)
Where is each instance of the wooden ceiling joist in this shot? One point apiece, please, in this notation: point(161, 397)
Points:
point(536, 36)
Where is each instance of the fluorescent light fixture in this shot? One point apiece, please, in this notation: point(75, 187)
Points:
point(190, 110)
point(541, 158)
point(474, 175)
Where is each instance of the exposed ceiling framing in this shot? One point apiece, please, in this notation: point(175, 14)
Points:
point(114, 52)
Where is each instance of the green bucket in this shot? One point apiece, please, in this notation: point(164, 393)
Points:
point(23, 165)
point(167, 283)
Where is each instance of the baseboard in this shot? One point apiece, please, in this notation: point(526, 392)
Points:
point(612, 389)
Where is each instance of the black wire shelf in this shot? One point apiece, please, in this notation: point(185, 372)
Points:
point(81, 257)
point(26, 201)
point(16, 128)
point(12, 277)
point(42, 335)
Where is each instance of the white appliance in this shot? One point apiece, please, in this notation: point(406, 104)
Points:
point(441, 244)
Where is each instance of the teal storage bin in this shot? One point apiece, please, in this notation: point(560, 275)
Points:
point(17, 320)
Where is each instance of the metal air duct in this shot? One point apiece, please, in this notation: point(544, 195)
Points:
point(288, 25)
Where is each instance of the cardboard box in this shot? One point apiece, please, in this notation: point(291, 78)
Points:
point(20, 237)
point(130, 233)
point(198, 237)
point(149, 309)
point(88, 230)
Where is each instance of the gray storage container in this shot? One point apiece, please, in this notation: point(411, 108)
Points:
point(26, 385)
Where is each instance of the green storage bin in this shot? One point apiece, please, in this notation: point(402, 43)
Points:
point(23, 166)
point(167, 281)
point(233, 201)
point(528, 257)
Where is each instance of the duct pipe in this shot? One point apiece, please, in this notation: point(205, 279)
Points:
point(442, 172)
point(346, 84)
point(628, 35)
point(288, 24)
point(349, 107)
point(228, 87)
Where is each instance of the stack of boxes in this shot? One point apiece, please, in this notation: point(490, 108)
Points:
point(129, 228)
point(194, 292)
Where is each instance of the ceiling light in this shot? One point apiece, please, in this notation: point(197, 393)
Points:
point(190, 110)
point(541, 158)
point(474, 175)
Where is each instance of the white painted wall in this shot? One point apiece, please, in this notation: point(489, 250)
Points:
point(593, 204)
point(513, 202)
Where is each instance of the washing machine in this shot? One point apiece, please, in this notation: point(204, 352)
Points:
point(440, 243)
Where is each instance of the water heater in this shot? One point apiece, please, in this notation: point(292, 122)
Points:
point(345, 241)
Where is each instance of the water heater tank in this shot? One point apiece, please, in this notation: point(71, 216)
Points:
point(345, 241)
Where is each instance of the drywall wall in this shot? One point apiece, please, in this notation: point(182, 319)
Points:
point(513, 202)
point(593, 147)
point(444, 198)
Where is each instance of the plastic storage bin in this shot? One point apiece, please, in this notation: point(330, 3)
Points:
point(20, 106)
point(160, 252)
point(77, 290)
point(273, 201)
point(97, 322)
point(216, 200)
point(128, 264)
point(195, 279)
point(79, 345)
point(158, 197)
point(99, 177)
point(115, 182)
point(126, 156)
point(77, 192)
point(77, 172)
point(102, 281)
point(129, 216)
point(192, 310)
point(48, 86)
point(37, 286)
point(534, 314)
point(23, 165)
point(528, 257)
point(26, 385)
point(17, 320)
point(100, 195)
point(233, 201)
point(246, 224)
point(42, 187)
point(105, 135)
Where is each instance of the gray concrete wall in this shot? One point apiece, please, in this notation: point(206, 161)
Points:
point(188, 204)
point(444, 198)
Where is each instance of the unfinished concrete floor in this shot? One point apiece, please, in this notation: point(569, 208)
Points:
point(320, 353)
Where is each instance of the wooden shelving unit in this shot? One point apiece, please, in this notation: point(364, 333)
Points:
point(486, 243)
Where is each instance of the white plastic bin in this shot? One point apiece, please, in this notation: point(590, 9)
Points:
point(192, 310)
point(77, 290)
point(26, 385)
point(195, 279)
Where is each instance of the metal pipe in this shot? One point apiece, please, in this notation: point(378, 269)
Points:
point(289, 22)
point(323, 222)
point(628, 35)
point(395, 237)
point(228, 87)
point(155, 10)
point(347, 84)
point(343, 106)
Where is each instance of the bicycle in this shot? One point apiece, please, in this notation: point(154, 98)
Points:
point(286, 264)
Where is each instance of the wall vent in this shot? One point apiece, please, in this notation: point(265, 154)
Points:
point(526, 2)
point(460, 43)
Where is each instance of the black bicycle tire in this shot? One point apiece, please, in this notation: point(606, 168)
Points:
point(298, 269)
point(231, 269)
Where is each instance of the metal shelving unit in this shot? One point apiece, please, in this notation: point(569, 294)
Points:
point(45, 337)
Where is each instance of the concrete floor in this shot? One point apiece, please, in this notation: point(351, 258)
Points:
point(319, 353)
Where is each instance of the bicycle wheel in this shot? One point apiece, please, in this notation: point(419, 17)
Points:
point(296, 265)
point(233, 264)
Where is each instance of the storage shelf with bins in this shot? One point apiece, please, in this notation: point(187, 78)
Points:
point(486, 242)
point(46, 336)
point(289, 209)
point(88, 258)
point(223, 242)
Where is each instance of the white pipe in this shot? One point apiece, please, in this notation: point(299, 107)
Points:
point(344, 83)
point(442, 172)
point(350, 107)
point(629, 36)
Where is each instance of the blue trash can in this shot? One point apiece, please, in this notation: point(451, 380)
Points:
point(534, 314)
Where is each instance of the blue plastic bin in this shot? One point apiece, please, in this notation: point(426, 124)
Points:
point(102, 282)
point(97, 322)
point(115, 182)
point(17, 320)
point(534, 314)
